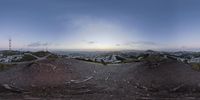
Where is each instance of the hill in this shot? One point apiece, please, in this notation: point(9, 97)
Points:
point(70, 78)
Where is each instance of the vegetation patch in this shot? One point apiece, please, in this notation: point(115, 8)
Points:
point(130, 60)
point(195, 66)
point(4, 67)
point(41, 53)
point(26, 58)
point(52, 57)
point(10, 53)
point(89, 60)
point(153, 59)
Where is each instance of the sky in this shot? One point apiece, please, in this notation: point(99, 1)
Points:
point(100, 24)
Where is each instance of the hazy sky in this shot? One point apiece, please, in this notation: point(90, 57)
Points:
point(100, 24)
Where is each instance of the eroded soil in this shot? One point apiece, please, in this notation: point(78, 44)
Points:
point(78, 80)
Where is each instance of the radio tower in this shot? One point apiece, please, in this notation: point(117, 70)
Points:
point(10, 44)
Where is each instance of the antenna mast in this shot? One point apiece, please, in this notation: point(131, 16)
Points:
point(10, 44)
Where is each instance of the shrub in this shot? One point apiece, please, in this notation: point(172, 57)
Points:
point(153, 58)
point(103, 62)
point(10, 53)
point(52, 57)
point(196, 66)
point(4, 67)
point(26, 58)
point(130, 60)
point(41, 53)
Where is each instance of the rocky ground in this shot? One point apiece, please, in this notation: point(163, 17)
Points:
point(79, 80)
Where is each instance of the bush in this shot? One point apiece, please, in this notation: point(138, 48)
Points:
point(120, 58)
point(196, 66)
point(10, 53)
point(130, 60)
point(4, 67)
point(41, 53)
point(103, 62)
point(154, 59)
point(26, 58)
point(52, 57)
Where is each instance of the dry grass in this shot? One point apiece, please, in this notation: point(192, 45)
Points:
point(4, 67)
point(196, 66)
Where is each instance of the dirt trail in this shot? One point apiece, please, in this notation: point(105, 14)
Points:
point(77, 80)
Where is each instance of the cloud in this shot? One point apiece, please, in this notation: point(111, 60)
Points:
point(146, 43)
point(38, 44)
point(89, 42)
point(143, 45)
point(118, 45)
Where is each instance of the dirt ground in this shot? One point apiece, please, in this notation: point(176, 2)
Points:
point(79, 80)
